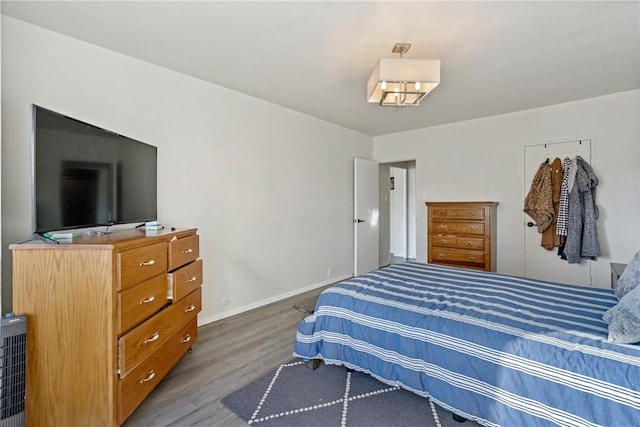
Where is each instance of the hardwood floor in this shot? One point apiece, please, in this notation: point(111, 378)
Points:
point(228, 354)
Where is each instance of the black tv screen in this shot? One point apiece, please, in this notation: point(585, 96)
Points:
point(86, 176)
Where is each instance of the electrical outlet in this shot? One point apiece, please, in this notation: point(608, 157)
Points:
point(329, 271)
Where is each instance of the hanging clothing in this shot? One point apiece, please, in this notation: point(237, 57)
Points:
point(572, 174)
point(550, 239)
point(563, 209)
point(582, 232)
point(538, 203)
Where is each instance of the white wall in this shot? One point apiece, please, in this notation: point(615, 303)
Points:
point(483, 160)
point(269, 189)
point(1, 252)
point(411, 210)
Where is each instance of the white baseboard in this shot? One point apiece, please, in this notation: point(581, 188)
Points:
point(205, 320)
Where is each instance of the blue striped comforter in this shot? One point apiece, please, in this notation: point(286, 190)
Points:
point(499, 349)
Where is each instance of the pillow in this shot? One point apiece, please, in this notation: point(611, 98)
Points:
point(624, 319)
point(630, 277)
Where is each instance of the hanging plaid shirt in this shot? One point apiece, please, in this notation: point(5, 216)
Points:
point(563, 210)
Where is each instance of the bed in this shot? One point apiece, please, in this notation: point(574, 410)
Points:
point(498, 349)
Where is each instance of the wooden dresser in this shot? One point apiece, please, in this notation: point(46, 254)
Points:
point(107, 317)
point(462, 234)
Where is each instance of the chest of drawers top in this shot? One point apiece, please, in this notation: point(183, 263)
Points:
point(458, 211)
point(118, 240)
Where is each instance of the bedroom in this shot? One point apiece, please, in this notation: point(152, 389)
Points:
point(261, 181)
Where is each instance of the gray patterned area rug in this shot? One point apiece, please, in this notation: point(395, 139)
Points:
point(293, 395)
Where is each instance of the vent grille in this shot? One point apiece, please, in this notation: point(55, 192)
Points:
point(13, 363)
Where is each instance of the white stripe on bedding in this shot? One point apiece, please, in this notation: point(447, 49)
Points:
point(496, 279)
point(576, 381)
point(523, 404)
point(545, 339)
point(598, 331)
point(467, 297)
point(466, 335)
point(522, 293)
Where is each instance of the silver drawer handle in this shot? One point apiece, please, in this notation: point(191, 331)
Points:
point(152, 338)
point(190, 308)
point(149, 377)
point(193, 279)
point(148, 300)
point(186, 339)
point(150, 262)
point(187, 251)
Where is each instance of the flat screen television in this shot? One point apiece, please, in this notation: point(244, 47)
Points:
point(85, 176)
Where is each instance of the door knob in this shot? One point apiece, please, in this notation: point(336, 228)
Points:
point(531, 224)
point(358, 221)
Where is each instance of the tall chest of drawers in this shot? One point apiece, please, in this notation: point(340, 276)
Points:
point(462, 234)
point(107, 318)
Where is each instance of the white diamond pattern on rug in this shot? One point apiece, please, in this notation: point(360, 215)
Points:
point(293, 395)
point(271, 404)
point(316, 401)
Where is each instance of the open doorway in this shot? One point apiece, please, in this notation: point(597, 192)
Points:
point(397, 212)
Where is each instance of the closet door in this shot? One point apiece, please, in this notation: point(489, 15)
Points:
point(538, 262)
point(366, 214)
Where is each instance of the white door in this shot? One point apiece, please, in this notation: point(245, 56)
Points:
point(540, 263)
point(398, 212)
point(366, 213)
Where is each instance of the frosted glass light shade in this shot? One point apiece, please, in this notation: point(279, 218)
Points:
point(400, 76)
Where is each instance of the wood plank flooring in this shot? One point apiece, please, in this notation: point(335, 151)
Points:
point(228, 354)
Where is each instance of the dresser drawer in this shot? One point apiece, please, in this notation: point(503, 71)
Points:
point(458, 256)
point(474, 213)
point(454, 242)
point(458, 228)
point(184, 280)
point(139, 264)
point(138, 344)
point(140, 302)
point(444, 241)
point(476, 243)
point(138, 384)
point(183, 251)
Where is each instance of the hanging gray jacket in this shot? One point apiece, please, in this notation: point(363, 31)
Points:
point(582, 232)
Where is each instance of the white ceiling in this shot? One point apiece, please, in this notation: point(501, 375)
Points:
point(315, 57)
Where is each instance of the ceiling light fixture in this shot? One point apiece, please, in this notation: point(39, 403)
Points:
point(400, 82)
